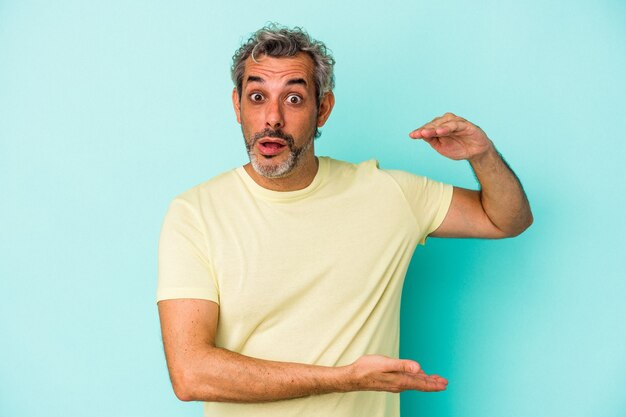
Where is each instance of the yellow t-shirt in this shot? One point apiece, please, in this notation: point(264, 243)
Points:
point(311, 276)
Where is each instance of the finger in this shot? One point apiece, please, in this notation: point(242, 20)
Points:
point(446, 117)
point(439, 379)
point(430, 383)
point(443, 128)
point(402, 381)
point(450, 116)
point(435, 124)
point(406, 366)
point(451, 127)
point(423, 375)
point(424, 132)
point(417, 133)
point(431, 377)
point(401, 366)
point(423, 383)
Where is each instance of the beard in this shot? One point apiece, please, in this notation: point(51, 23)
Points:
point(264, 166)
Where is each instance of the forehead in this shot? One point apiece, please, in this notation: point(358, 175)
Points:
point(284, 68)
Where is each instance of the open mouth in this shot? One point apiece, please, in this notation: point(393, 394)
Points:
point(271, 146)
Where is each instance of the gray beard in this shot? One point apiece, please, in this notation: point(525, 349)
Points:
point(277, 170)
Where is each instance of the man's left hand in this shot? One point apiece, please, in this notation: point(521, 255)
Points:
point(454, 137)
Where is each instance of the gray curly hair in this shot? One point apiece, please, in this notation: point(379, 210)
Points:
point(279, 41)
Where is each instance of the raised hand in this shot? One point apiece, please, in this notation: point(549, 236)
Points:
point(454, 137)
point(380, 373)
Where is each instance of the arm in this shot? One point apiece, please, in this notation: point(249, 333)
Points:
point(500, 209)
point(200, 371)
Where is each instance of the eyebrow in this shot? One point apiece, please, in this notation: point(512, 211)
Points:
point(293, 81)
point(254, 78)
point(297, 81)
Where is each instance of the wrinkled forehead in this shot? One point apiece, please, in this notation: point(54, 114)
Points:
point(279, 69)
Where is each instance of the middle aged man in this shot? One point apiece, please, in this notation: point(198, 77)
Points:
point(280, 281)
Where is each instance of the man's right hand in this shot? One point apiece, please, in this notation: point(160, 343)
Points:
point(381, 373)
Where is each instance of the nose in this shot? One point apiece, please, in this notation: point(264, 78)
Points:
point(274, 115)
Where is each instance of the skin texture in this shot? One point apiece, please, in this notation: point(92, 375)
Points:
point(278, 98)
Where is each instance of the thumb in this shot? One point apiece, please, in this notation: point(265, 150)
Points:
point(408, 366)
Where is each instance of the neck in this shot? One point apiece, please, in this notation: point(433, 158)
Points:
point(300, 177)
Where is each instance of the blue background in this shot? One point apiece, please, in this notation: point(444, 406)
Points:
point(108, 109)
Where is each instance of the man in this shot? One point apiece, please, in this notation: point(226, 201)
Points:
point(280, 281)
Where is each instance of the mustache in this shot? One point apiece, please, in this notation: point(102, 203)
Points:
point(270, 133)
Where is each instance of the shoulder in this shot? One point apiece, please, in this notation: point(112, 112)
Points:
point(407, 180)
point(205, 199)
point(371, 178)
point(220, 185)
point(371, 169)
point(338, 168)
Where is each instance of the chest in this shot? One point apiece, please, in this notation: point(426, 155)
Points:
point(268, 255)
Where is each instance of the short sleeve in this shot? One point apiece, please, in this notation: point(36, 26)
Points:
point(184, 268)
point(429, 200)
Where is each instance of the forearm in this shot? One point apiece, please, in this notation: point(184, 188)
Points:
point(217, 374)
point(502, 196)
point(199, 371)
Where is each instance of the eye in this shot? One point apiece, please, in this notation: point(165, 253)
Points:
point(294, 99)
point(256, 97)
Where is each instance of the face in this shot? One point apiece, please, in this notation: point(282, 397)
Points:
point(278, 113)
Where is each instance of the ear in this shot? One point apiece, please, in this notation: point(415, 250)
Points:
point(237, 105)
point(326, 106)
